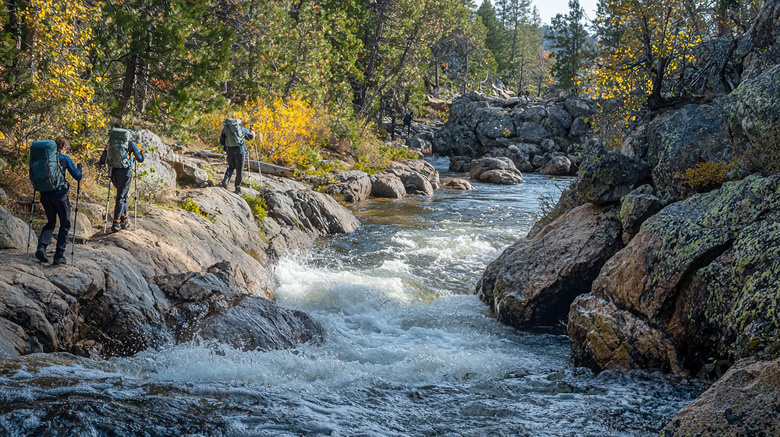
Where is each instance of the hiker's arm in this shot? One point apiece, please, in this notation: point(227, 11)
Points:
point(103, 157)
point(137, 153)
point(74, 172)
point(222, 138)
point(249, 135)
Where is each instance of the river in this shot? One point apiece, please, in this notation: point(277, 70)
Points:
point(408, 350)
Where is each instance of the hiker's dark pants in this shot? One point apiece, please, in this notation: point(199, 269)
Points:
point(235, 161)
point(407, 128)
point(120, 178)
point(55, 205)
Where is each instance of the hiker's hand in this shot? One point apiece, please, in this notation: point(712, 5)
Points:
point(78, 166)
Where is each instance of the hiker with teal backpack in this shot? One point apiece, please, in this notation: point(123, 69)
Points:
point(48, 165)
point(120, 154)
point(233, 140)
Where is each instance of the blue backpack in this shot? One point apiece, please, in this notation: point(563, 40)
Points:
point(45, 171)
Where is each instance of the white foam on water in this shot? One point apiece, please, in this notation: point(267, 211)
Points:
point(373, 334)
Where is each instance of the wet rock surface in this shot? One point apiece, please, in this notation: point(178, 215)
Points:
point(535, 280)
point(744, 402)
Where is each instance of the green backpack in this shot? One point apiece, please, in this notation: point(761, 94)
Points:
point(234, 133)
point(118, 143)
point(45, 171)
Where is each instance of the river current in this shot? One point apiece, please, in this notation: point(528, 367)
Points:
point(408, 350)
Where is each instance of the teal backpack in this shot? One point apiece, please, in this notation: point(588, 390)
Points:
point(45, 171)
point(234, 133)
point(118, 143)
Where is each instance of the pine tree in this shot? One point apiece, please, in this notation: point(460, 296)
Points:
point(569, 47)
point(494, 35)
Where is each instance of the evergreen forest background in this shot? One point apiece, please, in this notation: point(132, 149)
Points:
point(315, 78)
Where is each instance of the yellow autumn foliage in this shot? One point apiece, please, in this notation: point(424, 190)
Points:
point(287, 131)
point(63, 39)
point(55, 77)
point(706, 175)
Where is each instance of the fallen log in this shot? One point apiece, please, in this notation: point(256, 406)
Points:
point(270, 169)
point(207, 154)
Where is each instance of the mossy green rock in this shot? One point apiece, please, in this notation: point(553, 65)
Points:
point(754, 111)
point(636, 207)
point(700, 275)
point(678, 140)
point(608, 176)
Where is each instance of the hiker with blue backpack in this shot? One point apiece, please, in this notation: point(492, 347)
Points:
point(48, 165)
point(233, 140)
point(120, 155)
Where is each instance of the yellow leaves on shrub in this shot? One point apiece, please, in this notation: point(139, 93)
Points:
point(706, 175)
point(286, 130)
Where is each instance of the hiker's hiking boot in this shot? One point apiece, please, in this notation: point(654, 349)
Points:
point(116, 227)
point(124, 222)
point(41, 254)
point(224, 183)
point(238, 190)
point(59, 260)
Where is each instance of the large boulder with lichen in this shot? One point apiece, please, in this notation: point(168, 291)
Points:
point(743, 124)
point(681, 139)
point(535, 280)
point(607, 176)
point(744, 402)
point(636, 207)
point(754, 113)
point(700, 277)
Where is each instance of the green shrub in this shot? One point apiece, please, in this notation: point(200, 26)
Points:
point(190, 205)
point(258, 207)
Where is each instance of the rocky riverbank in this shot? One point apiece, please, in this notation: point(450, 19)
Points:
point(649, 271)
point(203, 273)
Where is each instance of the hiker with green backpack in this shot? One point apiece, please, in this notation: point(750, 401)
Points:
point(48, 164)
point(120, 154)
point(233, 140)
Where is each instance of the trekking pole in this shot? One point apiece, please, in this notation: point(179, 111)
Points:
point(29, 232)
point(257, 155)
point(135, 207)
point(108, 198)
point(247, 157)
point(75, 223)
